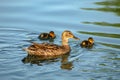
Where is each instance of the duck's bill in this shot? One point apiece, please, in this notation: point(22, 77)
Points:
point(76, 38)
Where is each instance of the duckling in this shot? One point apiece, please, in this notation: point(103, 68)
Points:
point(47, 36)
point(87, 43)
point(47, 49)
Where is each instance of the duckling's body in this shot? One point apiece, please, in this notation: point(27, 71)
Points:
point(47, 36)
point(46, 49)
point(87, 43)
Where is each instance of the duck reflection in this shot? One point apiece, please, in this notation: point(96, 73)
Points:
point(32, 59)
point(65, 64)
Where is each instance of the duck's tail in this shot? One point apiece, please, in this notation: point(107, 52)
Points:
point(25, 49)
point(30, 52)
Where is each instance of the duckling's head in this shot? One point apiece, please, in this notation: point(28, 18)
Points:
point(90, 39)
point(66, 35)
point(52, 34)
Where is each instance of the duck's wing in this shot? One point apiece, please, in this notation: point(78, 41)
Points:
point(44, 46)
point(45, 49)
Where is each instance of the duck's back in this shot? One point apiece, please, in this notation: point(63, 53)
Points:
point(46, 49)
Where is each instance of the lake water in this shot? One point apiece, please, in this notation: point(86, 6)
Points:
point(21, 21)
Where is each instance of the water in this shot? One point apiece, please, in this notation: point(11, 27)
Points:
point(21, 21)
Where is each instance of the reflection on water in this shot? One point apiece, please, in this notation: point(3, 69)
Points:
point(111, 45)
point(39, 60)
point(109, 3)
point(107, 6)
point(110, 6)
point(104, 24)
point(101, 34)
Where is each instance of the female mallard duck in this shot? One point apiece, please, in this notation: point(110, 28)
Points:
point(46, 36)
point(46, 49)
point(87, 43)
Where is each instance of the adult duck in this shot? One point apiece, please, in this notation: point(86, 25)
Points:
point(47, 49)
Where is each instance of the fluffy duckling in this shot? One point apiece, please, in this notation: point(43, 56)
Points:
point(87, 43)
point(47, 36)
point(47, 49)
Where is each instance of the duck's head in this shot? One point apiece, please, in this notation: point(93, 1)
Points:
point(90, 39)
point(67, 35)
point(52, 34)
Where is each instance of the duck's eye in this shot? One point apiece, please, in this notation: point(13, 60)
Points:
point(69, 33)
